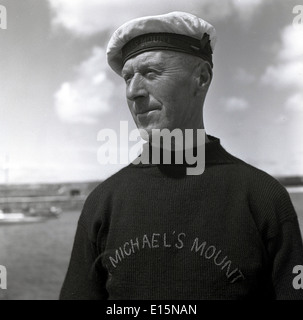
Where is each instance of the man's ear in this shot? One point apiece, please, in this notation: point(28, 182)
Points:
point(206, 74)
point(203, 76)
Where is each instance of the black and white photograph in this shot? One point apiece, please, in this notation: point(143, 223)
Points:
point(151, 150)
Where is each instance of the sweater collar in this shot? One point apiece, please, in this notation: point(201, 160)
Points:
point(214, 154)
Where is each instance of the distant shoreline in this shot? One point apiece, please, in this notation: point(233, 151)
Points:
point(285, 180)
point(295, 189)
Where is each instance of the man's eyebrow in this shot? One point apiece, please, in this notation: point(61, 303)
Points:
point(124, 72)
point(144, 65)
point(151, 64)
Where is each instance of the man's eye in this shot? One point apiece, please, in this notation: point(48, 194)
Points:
point(127, 78)
point(150, 73)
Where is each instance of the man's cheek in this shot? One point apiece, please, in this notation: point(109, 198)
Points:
point(131, 108)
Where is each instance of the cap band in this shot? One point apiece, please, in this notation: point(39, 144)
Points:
point(168, 41)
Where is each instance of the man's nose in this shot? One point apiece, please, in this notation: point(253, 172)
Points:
point(135, 88)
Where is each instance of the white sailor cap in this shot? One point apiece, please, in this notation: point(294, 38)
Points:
point(175, 31)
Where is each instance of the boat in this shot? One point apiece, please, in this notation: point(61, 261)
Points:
point(21, 218)
point(13, 218)
point(9, 215)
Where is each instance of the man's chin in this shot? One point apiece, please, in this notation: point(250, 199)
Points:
point(151, 132)
point(146, 133)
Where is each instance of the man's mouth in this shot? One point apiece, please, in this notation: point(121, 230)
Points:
point(146, 112)
point(143, 116)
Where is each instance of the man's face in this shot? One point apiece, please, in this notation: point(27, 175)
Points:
point(160, 91)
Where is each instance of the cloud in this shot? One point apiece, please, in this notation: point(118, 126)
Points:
point(87, 97)
point(244, 77)
point(287, 71)
point(246, 8)
point(232, 104)
point(295, 102)
point(86, 17)
point(284, 74)
point(292, 44)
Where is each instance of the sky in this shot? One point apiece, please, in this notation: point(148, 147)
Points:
point(57, 91)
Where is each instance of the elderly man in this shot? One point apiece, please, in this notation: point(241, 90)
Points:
point(151, 231)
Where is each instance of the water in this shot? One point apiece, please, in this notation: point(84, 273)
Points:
point(36, 255)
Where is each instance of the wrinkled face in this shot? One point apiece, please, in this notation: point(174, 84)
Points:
point(159, 90)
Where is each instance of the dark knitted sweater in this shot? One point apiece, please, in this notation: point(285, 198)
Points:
point(153, 232)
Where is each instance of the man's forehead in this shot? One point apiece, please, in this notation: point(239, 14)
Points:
point(149, 58)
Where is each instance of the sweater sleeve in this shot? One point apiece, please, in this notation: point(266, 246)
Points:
point(277, 223)
point(286, 251)
point(83, 281)
point(86, 277)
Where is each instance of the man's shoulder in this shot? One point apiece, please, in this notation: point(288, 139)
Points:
point(265, 193)
point(101, 197)
point(238, 169)
point(257, 179)
point(112, 183)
